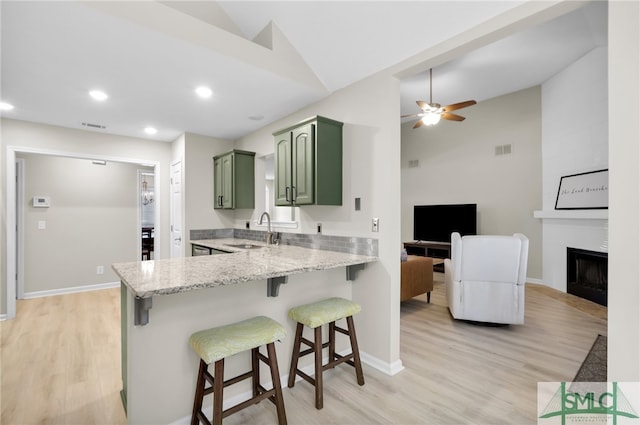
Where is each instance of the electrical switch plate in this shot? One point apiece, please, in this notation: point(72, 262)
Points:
point(100, 270)
point(375, 225)
point(42, 225)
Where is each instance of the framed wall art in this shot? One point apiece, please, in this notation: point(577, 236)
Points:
point(584, 191)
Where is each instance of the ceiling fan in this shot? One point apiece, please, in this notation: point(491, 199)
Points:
point(433, 112)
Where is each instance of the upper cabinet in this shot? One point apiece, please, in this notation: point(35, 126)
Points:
point(234, 180)
point(308, 163)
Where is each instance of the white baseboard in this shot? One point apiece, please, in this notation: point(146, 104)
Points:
point(384, 367)
point(532, 280)
point(3, 317)
point(71, 290)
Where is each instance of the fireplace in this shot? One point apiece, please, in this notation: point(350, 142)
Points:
point(587, 274)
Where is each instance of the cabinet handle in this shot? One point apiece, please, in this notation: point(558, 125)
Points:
point(220, 200)
point(294, 195)
point(286, 193)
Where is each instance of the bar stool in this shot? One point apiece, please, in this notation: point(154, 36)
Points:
point(215, 344)
point(315, 315)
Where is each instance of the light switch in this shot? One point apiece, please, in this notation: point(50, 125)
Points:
point(42, 225)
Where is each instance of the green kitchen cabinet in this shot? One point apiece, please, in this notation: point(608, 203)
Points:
point(234, 180)
point(308, 163)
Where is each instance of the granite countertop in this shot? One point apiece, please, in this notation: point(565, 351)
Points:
point(169, 276)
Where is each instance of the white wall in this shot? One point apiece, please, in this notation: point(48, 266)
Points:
point(371, 140)
point(457, 164)
point(574, 140)
point(623, 360)
point(92, 221)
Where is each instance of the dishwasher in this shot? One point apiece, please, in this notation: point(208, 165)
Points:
point(197, 250)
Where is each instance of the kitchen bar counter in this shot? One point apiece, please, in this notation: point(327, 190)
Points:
point(169, 276)
point(164, 301)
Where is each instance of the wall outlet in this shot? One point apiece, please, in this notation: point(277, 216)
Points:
point(375, 225)
point(100, 270)
point(42, 225)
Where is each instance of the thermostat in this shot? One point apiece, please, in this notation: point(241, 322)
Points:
point(41, 201)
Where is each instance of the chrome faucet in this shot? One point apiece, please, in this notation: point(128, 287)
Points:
point(269, 237)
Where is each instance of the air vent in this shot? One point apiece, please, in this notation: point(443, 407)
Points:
point(503, 149)
point(96, 126)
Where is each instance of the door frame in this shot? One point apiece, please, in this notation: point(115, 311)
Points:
point(13, 257)
point(172, 218)
point(19, 207)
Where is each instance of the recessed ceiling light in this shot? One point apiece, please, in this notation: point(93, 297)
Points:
point(4, 106)
point(150, 130)
point(98, 95)
point(204, 92)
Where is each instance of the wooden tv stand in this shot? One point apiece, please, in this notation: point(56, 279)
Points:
point(430, 249)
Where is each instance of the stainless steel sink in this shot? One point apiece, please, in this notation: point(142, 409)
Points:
point(245, 245)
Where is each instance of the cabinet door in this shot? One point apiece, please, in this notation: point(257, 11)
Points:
point(217, 183)
point(282, 169)
point(303, 164)
point(227, 181)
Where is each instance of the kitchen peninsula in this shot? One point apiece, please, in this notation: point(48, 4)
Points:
point(194, 293)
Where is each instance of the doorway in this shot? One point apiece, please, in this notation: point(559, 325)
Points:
point(16, 198)
point(147, 216)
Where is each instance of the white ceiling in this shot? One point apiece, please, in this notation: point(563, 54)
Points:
point(149, 58)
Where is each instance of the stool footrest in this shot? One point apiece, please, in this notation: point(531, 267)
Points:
point(247, 403)
point(339, 360)
point(306, 377)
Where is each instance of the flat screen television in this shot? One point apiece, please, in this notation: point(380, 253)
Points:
point(435, 223)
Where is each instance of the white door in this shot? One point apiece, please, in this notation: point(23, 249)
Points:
point(176, 210)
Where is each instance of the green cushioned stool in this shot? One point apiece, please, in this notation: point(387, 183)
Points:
point(215, 344)
point(315, 315)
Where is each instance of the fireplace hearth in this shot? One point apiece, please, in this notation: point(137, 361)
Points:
point(587, 274)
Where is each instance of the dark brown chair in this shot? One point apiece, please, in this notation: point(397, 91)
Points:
point(214, 345)
point(314, 316)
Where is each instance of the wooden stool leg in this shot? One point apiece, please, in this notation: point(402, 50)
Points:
point(332, 342)
point(355, 350)
point(317, 345)
point(218, 386)
point(295, 355)
point(255, 371)
point(197, 401)
point(277, 386)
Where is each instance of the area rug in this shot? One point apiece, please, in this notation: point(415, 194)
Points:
point(594, 366)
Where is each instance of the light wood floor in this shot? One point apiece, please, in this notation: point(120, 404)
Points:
point(61, 365)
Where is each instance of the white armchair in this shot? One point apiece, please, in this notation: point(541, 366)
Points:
point(485, 278)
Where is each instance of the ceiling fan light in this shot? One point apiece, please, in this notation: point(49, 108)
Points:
point(431, 118)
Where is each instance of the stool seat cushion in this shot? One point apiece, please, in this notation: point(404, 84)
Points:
point(224, 341)
point(322, 312)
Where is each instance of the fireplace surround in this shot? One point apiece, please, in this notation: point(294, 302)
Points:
point(587, 274)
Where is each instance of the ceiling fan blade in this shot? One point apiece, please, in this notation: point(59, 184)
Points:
point(418, 123)
point(452, 117)
point(422, 104)
point(410, 115)
point(459, 105)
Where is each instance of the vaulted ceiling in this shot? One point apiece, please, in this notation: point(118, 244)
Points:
point(263, 60)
